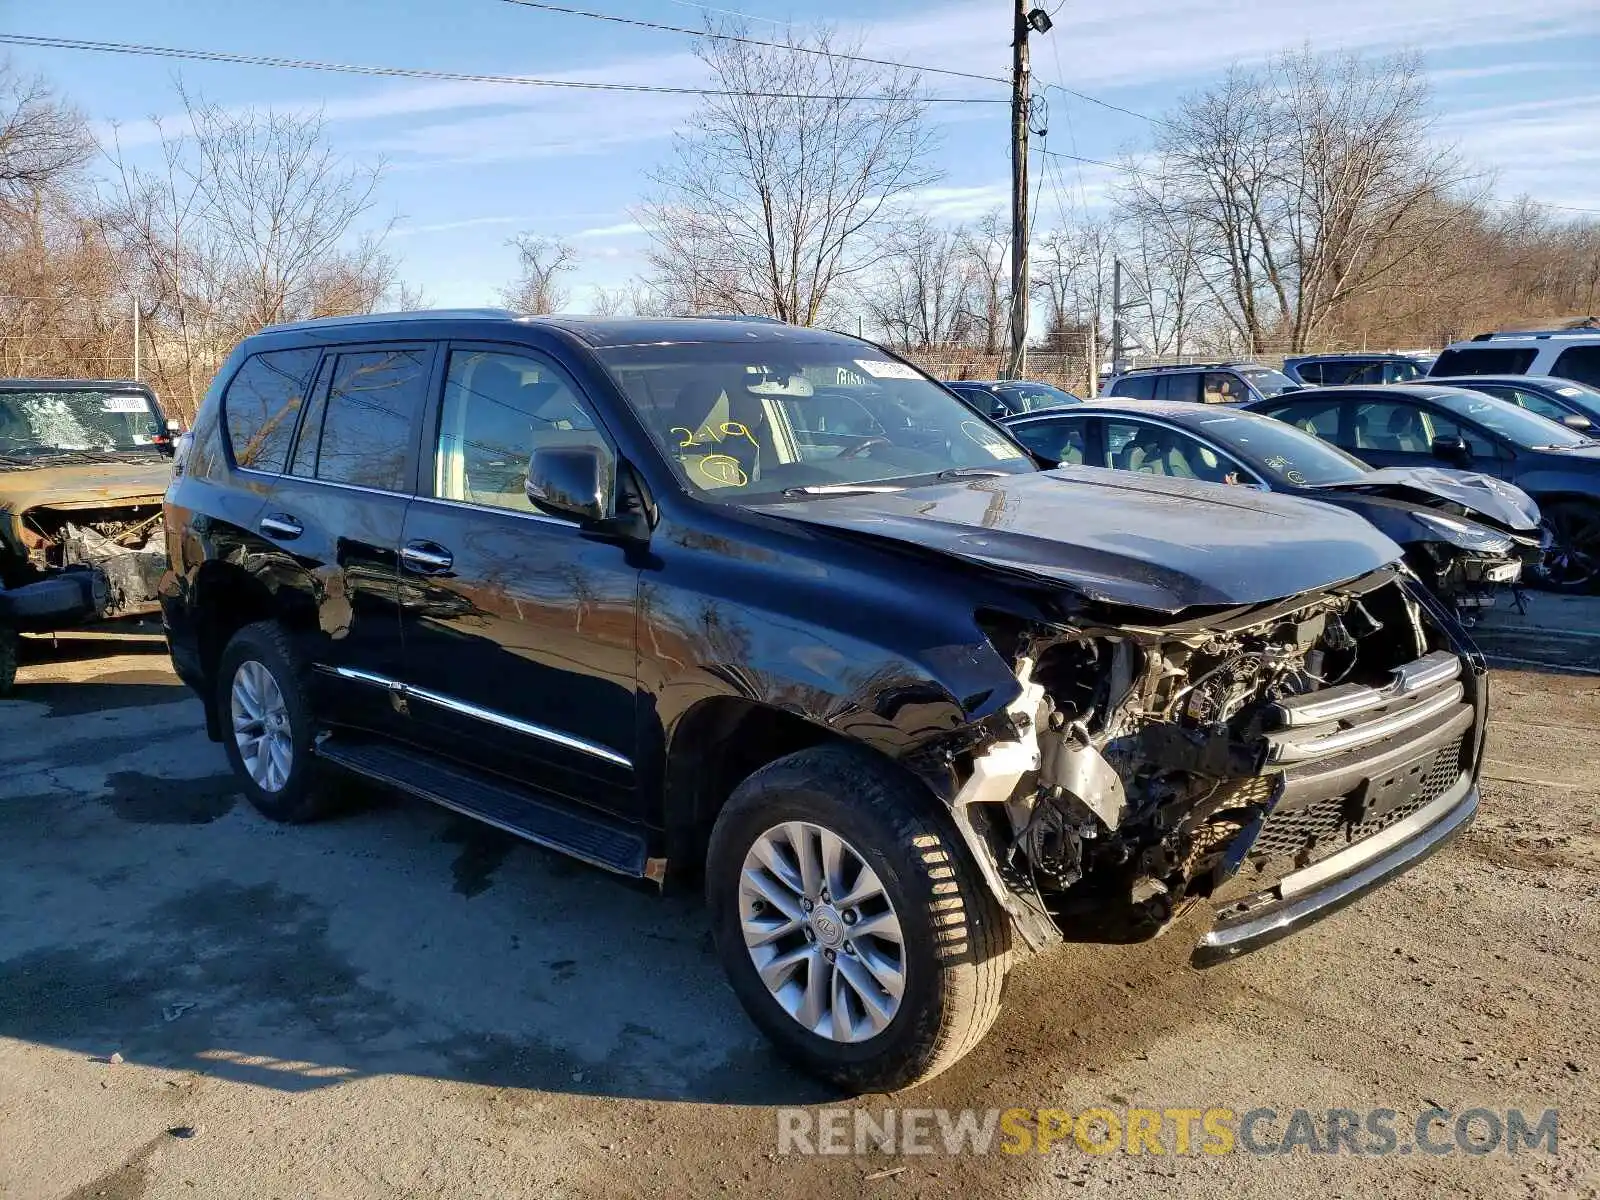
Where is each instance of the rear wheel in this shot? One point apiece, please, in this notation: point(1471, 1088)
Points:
point(1572, 564)
point(268, 725)
point(853, 928)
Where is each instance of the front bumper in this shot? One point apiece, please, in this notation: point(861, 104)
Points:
point(1308, 895)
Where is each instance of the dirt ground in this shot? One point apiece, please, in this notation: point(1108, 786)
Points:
point(400, 1003)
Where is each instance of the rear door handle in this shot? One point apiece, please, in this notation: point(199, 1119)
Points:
point(427, 558)
point(281, 526)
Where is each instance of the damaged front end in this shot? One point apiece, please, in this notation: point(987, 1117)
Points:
point(1275, 761)
point(71, 564)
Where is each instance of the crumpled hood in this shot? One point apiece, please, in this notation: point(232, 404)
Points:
point(1481, 495)
point(1141, 540)
point(85, 485)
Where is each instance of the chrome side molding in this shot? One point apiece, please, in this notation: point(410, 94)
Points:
point(490, 716)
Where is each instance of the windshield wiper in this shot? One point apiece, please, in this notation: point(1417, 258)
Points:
point(842, 489)
point(971, 473)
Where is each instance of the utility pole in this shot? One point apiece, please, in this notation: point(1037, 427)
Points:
point(1116, 315)
point(1024, 22)
point(136, 337)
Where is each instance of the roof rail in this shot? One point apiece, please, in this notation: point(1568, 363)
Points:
point(1231, 362)
point(1589, 327)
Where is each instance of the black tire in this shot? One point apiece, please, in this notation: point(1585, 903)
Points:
point(9, 647)
point(301, 798)
point(956, 936)
point(1573, 561)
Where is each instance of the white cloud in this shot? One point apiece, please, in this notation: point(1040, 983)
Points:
point(624, 229)
point(402, 231)
point(959, 203)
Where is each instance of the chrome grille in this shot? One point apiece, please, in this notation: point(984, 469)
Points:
point(1310, 834)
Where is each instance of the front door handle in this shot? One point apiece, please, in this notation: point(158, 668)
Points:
point(281, 526)
point(427, 558)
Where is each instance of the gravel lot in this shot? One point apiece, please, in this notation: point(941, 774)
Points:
point(400, 1003)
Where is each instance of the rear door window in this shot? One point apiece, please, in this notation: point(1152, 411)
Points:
point(1135, 387)
point(262, 404)
point(1320, 417)
point(1484, 360)
point(374, 400)
point(1311, 372)
point(1183, 386)
point(1581, 363)
point(1064, 440)
point(1157, 450)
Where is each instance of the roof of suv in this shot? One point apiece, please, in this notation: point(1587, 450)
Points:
point(596, 331)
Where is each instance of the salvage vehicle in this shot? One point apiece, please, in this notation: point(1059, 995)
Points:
point(1467, 536)
point(1425, 424)
point(83, 465)
point(906, 703)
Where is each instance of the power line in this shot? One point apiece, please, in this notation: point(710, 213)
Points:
point(1093, 162)
point(299, 64)
point(750, 41)
point(1116, 108)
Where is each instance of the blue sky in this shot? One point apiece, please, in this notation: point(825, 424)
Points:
point(472, 164)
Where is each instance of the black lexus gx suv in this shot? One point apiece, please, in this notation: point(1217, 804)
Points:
point(768, 608)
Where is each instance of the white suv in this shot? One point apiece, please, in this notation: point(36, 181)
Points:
point(1565, 353)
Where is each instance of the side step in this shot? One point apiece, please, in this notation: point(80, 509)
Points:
point(542, 820)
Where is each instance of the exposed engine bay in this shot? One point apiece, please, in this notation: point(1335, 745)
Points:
point(117, 552)
point(1144, 763)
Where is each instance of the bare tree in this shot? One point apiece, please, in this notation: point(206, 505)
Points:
point(246, 221)
point(1301, 187)
point(43, 140)
point(923, 295)
point(782, 191)
point(541, 262)
point(988, 251)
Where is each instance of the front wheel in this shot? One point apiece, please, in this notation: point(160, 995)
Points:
point(853, 928)
point(1572, 563)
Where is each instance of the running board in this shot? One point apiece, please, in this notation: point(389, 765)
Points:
point(539, 818)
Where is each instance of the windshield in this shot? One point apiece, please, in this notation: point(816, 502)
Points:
point(1518, 425)
point(35, 424)
point(1031, 397)
point(1283, 451)
point(1582, 397)
point(1269, 382)
point(758, 417)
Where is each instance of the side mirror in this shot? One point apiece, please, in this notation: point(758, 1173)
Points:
point(1452, 448)
point(570, 481)
point(998, 410)
point(1577, 421)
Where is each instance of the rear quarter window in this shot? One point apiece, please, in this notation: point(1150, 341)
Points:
point(1484, 360)
point(1134, 387)
point(262, 404)
point(1579, 362)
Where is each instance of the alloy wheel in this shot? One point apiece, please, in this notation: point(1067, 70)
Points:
point(261, 726)
point(822, 931)
point(1573, 559)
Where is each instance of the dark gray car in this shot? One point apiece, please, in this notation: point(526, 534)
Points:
point(1419, 425)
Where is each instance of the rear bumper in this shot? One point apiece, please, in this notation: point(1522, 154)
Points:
point(1306, 896)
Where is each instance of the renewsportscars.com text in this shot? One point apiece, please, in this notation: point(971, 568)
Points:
point(1135, 1130)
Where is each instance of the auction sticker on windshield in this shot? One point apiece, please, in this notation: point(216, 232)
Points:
point(883, 368)
point(124, 404)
